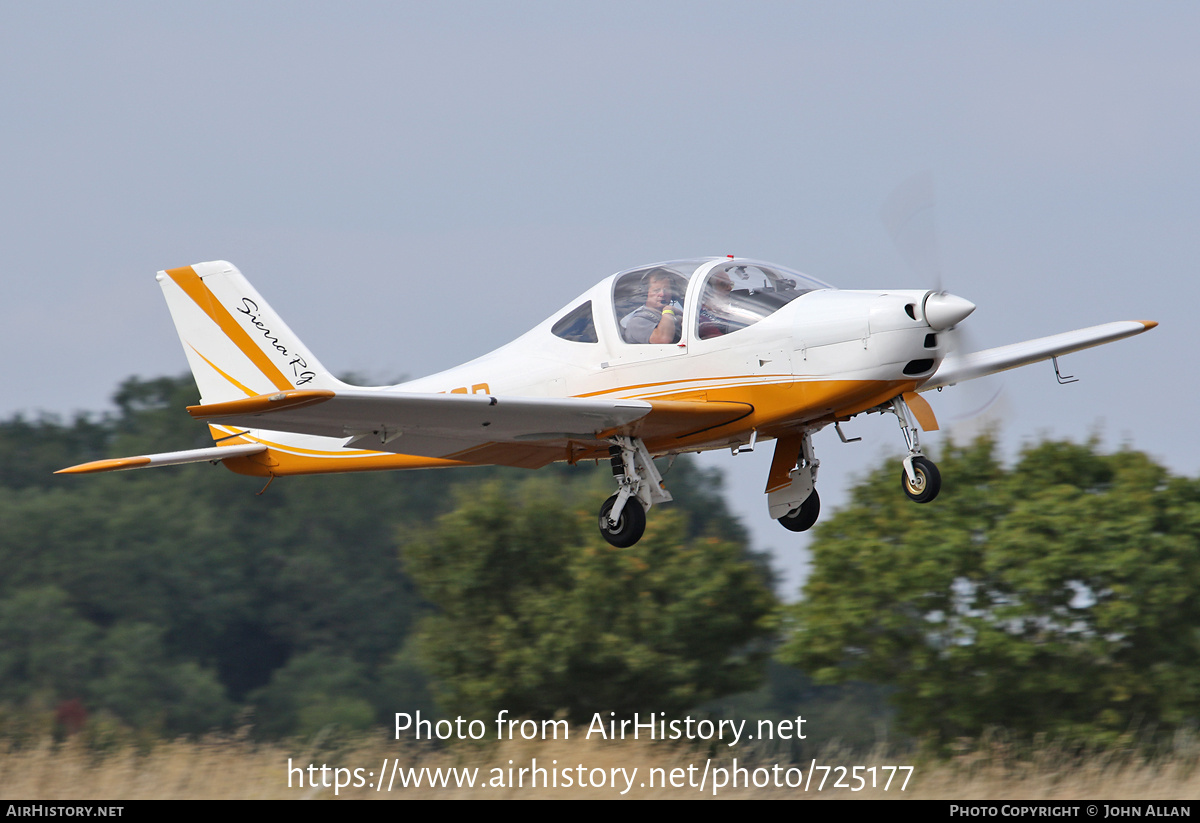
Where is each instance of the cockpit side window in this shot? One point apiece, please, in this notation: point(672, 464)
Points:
point(577, 325)
point(640, 299)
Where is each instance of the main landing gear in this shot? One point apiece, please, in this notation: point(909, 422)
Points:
point(792, 496)
point(639, 486)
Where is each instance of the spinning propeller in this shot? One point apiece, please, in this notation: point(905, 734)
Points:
point(909, 214)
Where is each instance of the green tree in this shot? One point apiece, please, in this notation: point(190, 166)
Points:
point(313, 691)
point(137, 683)
point(1057, 596)
point(536, 614)
point(46, 649)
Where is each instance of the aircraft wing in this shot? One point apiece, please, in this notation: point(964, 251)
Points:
point(957, 368)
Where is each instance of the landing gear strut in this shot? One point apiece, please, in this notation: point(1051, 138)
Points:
point(921, 480)
point(639, 486)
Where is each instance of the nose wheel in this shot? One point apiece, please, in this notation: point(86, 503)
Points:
point(925, 483)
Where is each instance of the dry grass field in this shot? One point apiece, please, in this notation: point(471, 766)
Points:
point(232, 769)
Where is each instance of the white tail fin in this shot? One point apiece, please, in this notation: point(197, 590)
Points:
point(235, 343)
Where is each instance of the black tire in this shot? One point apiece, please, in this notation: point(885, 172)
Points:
point(629, 528)
point(803, 517)
point(929, 481)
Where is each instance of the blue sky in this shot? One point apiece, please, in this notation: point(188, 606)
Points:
point(412, 185)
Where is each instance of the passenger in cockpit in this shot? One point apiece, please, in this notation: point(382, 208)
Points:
point(716, 315)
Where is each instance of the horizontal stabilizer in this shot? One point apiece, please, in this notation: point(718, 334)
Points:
point(957, 368)
point(146, 461)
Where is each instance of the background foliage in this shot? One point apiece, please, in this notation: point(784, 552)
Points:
point(1054, 597)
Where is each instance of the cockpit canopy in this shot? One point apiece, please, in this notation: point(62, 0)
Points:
point(731, 293)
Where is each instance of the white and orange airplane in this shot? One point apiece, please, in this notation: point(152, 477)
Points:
point(680, 356)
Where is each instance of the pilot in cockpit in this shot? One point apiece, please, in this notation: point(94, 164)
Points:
point(660, 320)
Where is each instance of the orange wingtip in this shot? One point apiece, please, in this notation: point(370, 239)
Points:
point(110, 465)
point(260, 404)
point(1149, 324)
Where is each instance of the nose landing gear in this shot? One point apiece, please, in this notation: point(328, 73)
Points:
point(921, 479)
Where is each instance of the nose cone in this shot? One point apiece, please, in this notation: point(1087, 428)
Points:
point(944, 310)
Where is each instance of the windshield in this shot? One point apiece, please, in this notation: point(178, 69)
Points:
point(739, 293)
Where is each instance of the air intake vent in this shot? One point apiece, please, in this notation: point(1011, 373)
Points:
point(910, 310)
point(931, 341)
point(918, 366)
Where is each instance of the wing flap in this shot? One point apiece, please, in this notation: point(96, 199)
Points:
point(957, 368)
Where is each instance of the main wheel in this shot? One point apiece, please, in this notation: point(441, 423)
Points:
point(630, 526)
point(928, 484)
point(802, 518)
